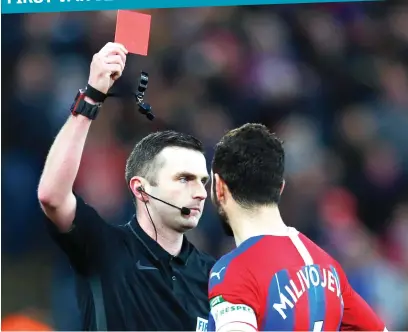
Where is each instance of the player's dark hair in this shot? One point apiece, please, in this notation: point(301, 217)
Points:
point(250, 159)
point(142, 160)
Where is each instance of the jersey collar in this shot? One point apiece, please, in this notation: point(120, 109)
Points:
point(155, 249)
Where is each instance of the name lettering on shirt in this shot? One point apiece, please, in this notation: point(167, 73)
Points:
point(306, 278)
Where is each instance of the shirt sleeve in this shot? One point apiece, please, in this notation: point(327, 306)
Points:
point(357, 314)
point(85, 241)
point(233, 299)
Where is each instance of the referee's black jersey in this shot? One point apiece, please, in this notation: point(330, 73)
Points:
point(126, 281)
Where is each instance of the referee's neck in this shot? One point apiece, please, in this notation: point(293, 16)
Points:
point(265, 220)
point(169, 239)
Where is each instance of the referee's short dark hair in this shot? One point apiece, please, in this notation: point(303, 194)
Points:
point(142, 160)
point(250, 159)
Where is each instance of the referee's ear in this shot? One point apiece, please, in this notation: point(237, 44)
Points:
point(135, 183)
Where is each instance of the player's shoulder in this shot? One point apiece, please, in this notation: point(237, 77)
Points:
point(222, 264)
point(238, 254)
point(316, 249)
point(320, 256)
point(234, 264)
point(221, 272)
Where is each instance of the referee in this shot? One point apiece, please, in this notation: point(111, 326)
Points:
point(143, 275)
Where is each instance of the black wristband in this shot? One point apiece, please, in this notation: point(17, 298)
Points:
point(94, 94)
point(81, 107)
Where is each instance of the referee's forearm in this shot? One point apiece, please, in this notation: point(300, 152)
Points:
point(63, 160)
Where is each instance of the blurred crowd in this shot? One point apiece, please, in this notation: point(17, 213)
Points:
point(330, 79)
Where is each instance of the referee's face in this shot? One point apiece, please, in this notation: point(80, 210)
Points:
point(182, 181)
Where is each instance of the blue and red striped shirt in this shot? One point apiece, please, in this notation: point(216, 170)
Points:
point(287, 283)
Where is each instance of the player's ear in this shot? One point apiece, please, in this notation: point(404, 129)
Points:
point(283, 186)
point(219, 187)
point(137, 185)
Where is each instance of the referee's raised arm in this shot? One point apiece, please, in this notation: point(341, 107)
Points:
point(142, 275)
point(61, 167)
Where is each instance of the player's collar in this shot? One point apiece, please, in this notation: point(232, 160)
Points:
point(288, 231)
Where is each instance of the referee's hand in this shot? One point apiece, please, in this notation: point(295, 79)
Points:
point(107, 66)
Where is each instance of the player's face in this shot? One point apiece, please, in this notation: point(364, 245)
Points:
point(220, 211)
point(181, 179)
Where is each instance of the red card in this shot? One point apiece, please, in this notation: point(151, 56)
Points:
point(133, 31)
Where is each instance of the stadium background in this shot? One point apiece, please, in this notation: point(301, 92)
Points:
point(331, 79)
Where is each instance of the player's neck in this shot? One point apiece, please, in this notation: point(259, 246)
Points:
point(260, 221)
point(169, 239)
